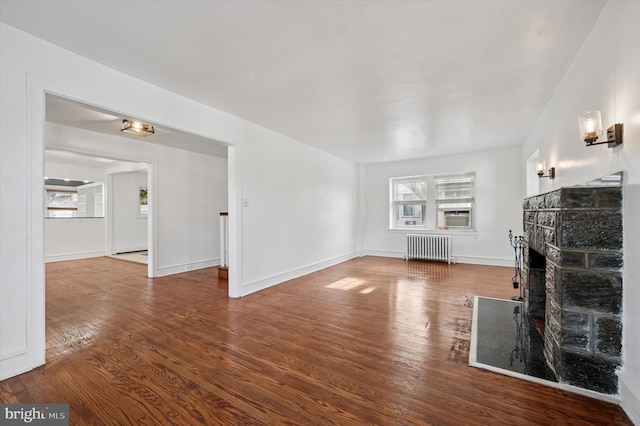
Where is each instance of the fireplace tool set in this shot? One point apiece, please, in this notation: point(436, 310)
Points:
point(517, 242)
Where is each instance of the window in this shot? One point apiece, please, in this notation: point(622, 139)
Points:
point(452, 206)
point(62, 203)
point(454, 201)
point(86, 200)
point(409, 202)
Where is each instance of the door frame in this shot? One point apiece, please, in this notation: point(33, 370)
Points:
point(36, 89)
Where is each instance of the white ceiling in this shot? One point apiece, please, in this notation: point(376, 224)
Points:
point(74, 159)
point(368, 81)
point(74, 114)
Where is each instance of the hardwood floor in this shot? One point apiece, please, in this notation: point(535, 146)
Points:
point(369, 341)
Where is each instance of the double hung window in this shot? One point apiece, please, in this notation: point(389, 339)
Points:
point(409, 202)
point(454, 201)
point(433, 202)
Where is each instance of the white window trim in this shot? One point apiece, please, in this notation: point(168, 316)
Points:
point(393, 203)
point(430, 223)
point(470, 200)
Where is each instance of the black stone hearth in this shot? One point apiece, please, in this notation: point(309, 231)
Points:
point(507, 339)
point(572, 277)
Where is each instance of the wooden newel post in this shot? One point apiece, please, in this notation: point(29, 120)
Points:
point(223, 269)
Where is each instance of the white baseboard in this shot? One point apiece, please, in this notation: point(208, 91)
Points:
point(261, 284)
point(186, 267)
point(20, 363)
point(384, 253)
point(488, 261)
point(474, 260)
point(73, 256)
point(630, 396)
point(8, 372)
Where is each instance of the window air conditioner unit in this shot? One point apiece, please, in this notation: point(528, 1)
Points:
point(457, 218)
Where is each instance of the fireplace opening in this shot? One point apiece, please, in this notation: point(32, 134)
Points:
point(537, 290)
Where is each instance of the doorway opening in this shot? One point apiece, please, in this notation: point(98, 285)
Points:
point(94, 132)
point(92, 207)
point(80, 143)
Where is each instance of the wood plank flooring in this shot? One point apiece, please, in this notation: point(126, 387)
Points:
point(370, 341)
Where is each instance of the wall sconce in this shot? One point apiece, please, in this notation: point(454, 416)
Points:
point(591, 129)
point(137, 128)
point(540, 168)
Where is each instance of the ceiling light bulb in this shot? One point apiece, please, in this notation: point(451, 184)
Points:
point(590, 126)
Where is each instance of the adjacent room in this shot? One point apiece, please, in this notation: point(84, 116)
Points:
point(77, 187)
point(87, 143)
point(425, 211)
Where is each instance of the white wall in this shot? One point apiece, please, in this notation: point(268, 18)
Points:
point(498, 204)
point(29, 67)
point(191, 192)
point(605, 76)
point(74, 238)
point(128, 227)
point(301, 213)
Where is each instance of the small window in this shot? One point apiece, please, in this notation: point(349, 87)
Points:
point(62, 203)
point(81, 199)
point(455, 201)
point(409, 202)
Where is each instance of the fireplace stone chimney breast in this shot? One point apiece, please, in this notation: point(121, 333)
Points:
point(578, 232)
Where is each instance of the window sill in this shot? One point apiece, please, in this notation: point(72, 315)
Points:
point(464, 232)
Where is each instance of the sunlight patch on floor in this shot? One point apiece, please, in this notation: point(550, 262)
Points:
point(136, 256)
point(350, 283)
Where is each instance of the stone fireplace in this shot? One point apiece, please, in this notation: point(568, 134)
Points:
point(572, 282)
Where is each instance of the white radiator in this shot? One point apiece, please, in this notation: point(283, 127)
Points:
point(429, 247)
